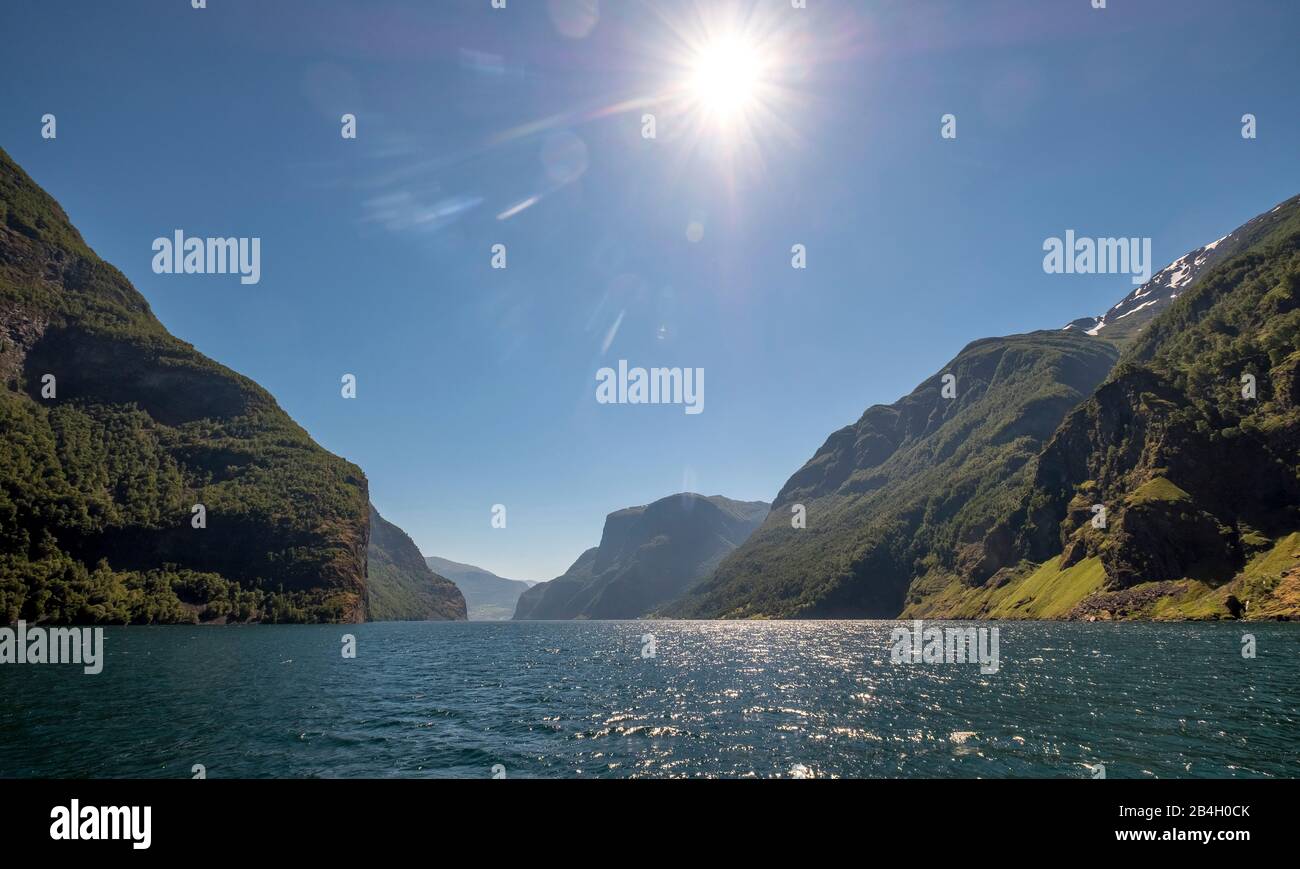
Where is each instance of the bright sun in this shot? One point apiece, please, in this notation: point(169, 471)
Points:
point(726, 77)
point(729, 73)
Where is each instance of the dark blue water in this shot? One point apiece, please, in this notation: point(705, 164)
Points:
point(718, 699)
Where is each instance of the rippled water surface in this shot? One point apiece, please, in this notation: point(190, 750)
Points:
point(717, 699)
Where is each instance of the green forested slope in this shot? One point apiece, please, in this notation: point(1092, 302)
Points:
point(911, 488)
point(1200, 477)
point(97, 484)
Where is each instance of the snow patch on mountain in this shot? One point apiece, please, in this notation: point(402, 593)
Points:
point(1138, 308)
point(1163, 288)
point(1148, 300)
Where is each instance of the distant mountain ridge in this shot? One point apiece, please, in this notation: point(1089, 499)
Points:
point(647, 557)
point(488, 596)
point(400, 586)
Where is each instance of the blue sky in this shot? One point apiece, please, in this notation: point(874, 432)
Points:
point(477, 387)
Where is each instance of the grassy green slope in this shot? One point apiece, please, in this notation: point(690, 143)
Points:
point(1044, 592)
point(1200, 480)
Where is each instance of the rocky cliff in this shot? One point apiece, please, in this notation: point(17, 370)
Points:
point(1192, 450)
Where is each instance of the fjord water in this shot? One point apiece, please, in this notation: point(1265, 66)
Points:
point(725, 699)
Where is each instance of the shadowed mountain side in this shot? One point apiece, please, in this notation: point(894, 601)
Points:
point(647, 557)
point(489, 597)
point(400, 586)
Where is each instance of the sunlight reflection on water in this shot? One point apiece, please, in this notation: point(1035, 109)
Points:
point(718, 699)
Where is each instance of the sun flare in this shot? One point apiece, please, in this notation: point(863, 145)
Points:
point(726, 77)
point(729, 79)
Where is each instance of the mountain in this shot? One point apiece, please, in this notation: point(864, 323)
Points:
point(112, 431)
point(1132, 313)
point(980, 506)
point(1192, 447)
point(490, 597)
point(909, 488)
point(647, 557)
point(401, 587)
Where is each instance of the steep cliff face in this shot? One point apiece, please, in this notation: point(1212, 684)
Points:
point(112, 431)
point(910, 489)
point(400, 586)
point(647, 557)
